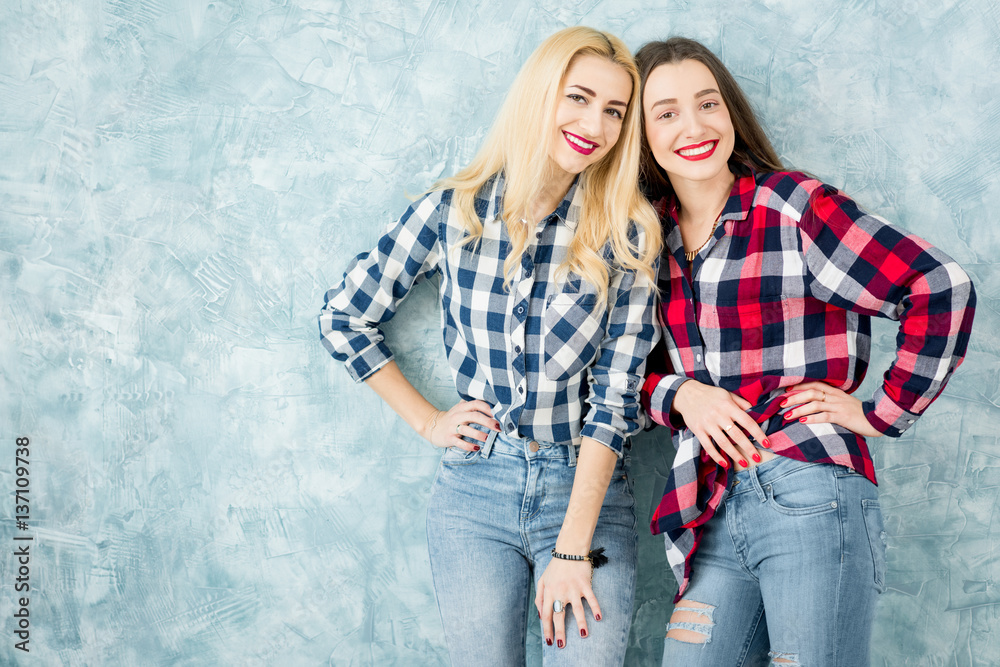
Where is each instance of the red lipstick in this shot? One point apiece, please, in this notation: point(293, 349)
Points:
point(579, 144)
point(702, 151)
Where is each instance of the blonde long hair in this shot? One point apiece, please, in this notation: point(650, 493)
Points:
point(520, 150)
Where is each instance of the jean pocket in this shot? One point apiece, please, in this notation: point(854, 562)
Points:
point(455, 456)
point(619, 500)
point(872, 512)
point(572, 333)
point(844, 471)
point(807, 490)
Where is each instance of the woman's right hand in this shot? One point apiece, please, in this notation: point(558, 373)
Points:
point(719, 420)
point(445, 428)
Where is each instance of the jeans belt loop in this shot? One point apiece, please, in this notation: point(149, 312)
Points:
point(572, 455)
point(488, 445)
point(756, 484)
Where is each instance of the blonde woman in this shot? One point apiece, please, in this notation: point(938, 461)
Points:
point(546, 252)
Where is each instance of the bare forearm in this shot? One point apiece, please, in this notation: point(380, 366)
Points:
point(442, 428)
point(594, 468)
point(393, 388)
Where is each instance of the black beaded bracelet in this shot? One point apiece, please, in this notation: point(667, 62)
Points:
point(596, 557)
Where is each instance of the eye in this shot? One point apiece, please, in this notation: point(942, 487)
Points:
point(613, 112)
point(576, 97)
point(709, 105)
point(666, 115)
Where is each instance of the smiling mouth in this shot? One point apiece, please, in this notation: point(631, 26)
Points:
point(698, 151)
point(579, 144)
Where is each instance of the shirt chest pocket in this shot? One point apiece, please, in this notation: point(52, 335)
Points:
point(571, 333)
point(752, 335)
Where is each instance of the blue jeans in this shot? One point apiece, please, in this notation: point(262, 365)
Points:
point(492, 522)
point(788, 569)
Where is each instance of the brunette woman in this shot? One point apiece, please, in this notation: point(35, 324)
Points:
point(768, 282)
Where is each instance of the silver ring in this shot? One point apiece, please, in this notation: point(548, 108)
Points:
point(558, 607)
point(726, 430)
point(458, 429)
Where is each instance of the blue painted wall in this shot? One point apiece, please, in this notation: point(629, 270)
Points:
point(182, 180)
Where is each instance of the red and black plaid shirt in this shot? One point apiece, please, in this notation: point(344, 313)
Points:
point(784, 293)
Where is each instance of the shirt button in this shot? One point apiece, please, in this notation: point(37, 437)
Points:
point(520, 390)
point(538, 235)
point(533, 446)
point(517, 349)
point(697, 358)
point(909, 421)
point(520, 309)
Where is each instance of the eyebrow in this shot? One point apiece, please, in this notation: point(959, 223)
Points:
point(593, 94)
point(673, 100)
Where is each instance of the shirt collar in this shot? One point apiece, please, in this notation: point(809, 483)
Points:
point(568, 209)
point(741, 197)
point(737, 207)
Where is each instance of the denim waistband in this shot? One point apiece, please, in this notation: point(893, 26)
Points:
point(526, 448)
point(756, 478)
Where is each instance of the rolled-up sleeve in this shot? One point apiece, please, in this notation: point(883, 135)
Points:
point(860, 262)
point(375, 283)
point(659, 389)
point(616, 376)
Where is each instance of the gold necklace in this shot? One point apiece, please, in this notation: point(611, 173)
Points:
point(689, 255)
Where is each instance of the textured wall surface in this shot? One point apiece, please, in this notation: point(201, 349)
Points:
point(183, 179)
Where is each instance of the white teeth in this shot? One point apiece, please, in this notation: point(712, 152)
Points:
point(580, 142)
point(697, 151)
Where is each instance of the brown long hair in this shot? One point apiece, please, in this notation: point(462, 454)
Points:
point(752, 148)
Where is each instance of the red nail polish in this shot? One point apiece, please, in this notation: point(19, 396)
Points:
point(756, 457)
point(598, 617)
point(539, 613)
point(559, 643)
point(475, 448)
point(724, 463)
point(784, 403)
point(766, 443)
point(803, 420)
point(548, 641)
point(743, 462)
point(583, 633)
point(788, 415)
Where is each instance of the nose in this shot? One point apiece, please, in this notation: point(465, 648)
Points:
point(590, 121)
point(692, 125)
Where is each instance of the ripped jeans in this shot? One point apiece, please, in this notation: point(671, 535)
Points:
point(788, 571)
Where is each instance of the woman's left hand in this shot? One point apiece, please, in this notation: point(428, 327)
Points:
point(569, 582)
point(819, 403)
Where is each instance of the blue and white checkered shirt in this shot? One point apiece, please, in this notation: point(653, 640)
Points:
point(539, 351)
